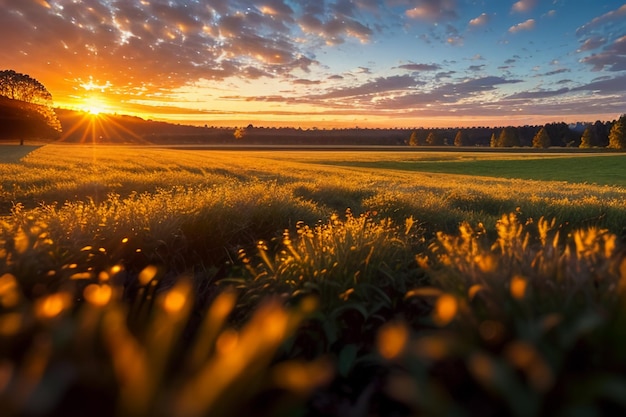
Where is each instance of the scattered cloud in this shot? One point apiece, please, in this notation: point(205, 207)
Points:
point(527, 25)
point(419, 67)
point(526, 95)
point(614, 16)
point(591, 43)
point(481, 20)
point(605, 86)
point(302, 81)
point(612, 57)
point(432, 10)
point(523, 6)
point(557, 71)
point(376, 86)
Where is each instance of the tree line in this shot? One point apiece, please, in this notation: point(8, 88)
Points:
point(611, 134)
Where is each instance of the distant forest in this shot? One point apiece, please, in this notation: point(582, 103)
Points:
point(20, 120)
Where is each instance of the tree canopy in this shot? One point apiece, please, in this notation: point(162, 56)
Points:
point(26, 108)
point(541, 139)
point(508, 137)
point(617, 135)
point(22, 87)
point(587, 139)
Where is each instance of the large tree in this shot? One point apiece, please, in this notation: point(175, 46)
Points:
point(28, 111)
point(22, 87)
point(617, 136)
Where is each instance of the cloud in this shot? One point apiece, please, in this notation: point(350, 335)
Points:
point(481, 20)
point(527, 25)
point(376, 86)
point(420, 67)
point(432, 10)
point(605, 86)
point(455, 40)
point(612, 57)
point(302, 81)
point(524, 6)
point(448, 93)
point(592, 43)
point(557, 71)
point(614, 16)
point(529, 95)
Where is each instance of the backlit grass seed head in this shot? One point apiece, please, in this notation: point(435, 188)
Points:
point(52, 305)
point(226, 342)
point(487, 263)
point(446, 308)
point(98, 295)
point(392, 340)
point(147, 274)
point(9, 291)
point(518, 287)
point(473, 291)
point(302, 377)
point(177, 298)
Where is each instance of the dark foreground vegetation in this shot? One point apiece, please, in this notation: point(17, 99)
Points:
point(171, 283)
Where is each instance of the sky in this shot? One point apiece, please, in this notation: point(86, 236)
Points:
point(325, 63)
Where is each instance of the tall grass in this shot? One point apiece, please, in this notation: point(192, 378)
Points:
point(142, 282)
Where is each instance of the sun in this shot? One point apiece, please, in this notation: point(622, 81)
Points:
point(93, 106)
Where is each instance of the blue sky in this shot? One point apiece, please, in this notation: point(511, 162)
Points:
point(326, 62)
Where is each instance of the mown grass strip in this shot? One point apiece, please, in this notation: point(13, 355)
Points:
point(11, 154)
point(601, 170)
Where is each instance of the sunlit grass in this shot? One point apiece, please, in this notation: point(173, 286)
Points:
point(141, 282)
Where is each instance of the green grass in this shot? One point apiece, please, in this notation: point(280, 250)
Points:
point(601, 170)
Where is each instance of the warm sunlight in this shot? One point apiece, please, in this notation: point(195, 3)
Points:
point(93, 106)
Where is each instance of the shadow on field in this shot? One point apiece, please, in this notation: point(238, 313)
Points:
point(11, 154)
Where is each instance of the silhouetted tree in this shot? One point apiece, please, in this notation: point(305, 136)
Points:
point(560, 134)
point(601, 130)
point(617, 135)
point(541, 139)
point(22, 88)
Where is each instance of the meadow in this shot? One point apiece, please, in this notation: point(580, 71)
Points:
point(144, 281)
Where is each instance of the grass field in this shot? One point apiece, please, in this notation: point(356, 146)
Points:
point(141, 282)
point(601, 170)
